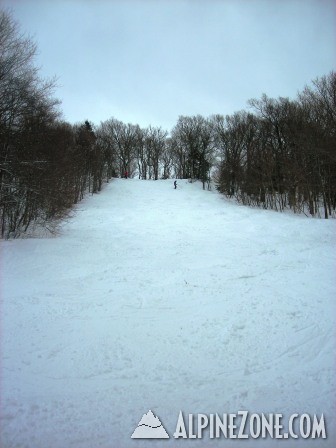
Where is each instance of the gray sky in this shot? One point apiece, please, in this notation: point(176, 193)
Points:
point(149, 61)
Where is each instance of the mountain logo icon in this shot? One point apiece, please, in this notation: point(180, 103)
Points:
point(150, 427)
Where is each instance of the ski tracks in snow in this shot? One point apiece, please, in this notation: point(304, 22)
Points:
point(155, 298)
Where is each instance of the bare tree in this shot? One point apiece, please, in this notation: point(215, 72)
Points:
point(26, 109)
point(155, 145)
point(193, 147)
point(124, 138)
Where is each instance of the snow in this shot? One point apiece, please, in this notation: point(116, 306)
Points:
point(163, 299)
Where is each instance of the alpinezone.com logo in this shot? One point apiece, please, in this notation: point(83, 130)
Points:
point(241, 425)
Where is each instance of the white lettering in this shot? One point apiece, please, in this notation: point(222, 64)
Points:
point(267, 425)
point(220, 425)
point(305, 426)
point(232, 426)
point(202, 422)
point(278, 426)
point(291, 424)
point(255, 426)
point(241, 434)
point(243, 425)
point(180, 430)
point(191, 427)
point(211, 426)
point(318, 428)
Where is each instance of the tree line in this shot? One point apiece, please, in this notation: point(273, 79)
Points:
point(284, 154)
point(279, 154)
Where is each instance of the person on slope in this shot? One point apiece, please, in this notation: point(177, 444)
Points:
point(175, 184)
point(126, 174)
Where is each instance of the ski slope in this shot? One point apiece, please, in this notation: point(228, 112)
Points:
point(169, 300)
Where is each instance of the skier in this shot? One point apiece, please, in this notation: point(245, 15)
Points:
point(175, 184)
point(126, 174)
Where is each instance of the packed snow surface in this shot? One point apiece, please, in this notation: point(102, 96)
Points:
point(169, 300)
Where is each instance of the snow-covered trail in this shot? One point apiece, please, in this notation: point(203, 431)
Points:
point(159, 299)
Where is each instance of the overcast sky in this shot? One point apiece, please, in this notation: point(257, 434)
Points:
point(149, 61)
